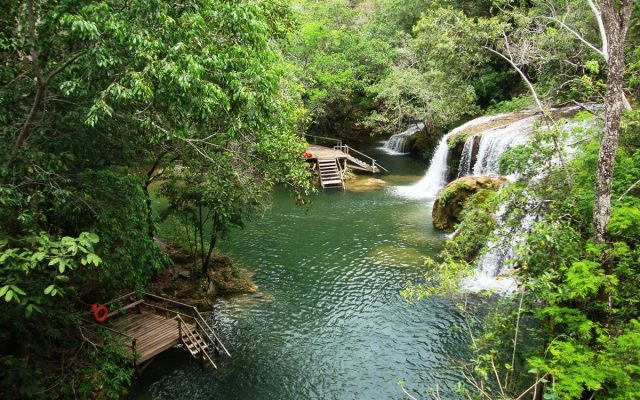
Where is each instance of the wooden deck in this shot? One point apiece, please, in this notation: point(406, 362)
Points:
point(347, 156)
point(321, 152)
point(153, 333)
point(152, 324)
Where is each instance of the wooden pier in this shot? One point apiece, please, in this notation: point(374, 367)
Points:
point(145, 327)
point(332, 162)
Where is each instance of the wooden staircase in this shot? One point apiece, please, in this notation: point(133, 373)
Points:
point(363, 166)
point(194, 343)
point(330, 173)
point(150, 325)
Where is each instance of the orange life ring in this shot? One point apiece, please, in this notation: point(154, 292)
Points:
point(307, 155)
point(100, 312)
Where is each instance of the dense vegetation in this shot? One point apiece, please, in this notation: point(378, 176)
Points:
point(571, 330)
point(97, 101)
point(100, 101)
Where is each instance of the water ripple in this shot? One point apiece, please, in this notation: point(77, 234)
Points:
point(329, 322)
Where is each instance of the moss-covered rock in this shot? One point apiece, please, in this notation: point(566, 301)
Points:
point(424, 143)
point(183, 280)
point(451, 201)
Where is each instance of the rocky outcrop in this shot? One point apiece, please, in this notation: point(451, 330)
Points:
point(423, 143)
point(451, 201)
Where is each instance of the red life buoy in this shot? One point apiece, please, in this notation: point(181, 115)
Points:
point(100, 312)
point(307, 155)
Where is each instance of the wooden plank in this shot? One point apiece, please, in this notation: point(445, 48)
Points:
point(157, 331)
point(130, 324)
point(127, 320)
point(159, 334)
point(145, 325)
point(125, 308)
point(157, 350)
point(163, 343)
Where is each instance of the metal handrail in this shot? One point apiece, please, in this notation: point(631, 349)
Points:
point(340, 169)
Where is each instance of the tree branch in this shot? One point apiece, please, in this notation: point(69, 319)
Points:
point(629, 190)
point(522, 75)
point(64, 65)
point(578, 36)
point(40, 84)
point(603, 32)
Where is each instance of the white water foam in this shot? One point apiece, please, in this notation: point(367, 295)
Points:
point(398, 144)
point(435, 178)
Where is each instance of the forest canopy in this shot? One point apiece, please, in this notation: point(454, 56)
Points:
point(207, 102)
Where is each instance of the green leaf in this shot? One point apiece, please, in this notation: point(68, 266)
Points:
point(18, 290)
point(49, 289)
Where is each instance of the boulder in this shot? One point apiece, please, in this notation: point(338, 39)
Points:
point(451, 201)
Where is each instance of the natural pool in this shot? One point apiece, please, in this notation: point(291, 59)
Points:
point(329, 322)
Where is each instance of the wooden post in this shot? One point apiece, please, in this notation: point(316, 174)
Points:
point(135, 357)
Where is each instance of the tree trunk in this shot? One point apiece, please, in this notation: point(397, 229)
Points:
point(616, 20)
point(212, 244)
point(145, 188)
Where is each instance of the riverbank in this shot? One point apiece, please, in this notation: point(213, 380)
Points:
point(328, 321)
point(183, 279)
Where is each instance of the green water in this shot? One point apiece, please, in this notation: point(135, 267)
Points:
point(328, 322)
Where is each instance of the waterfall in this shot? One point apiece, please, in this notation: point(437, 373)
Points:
point(487, 139)
point(493, 265)
point(435, 178)
point(495, 142)
point(466, 158)
point(398, 144)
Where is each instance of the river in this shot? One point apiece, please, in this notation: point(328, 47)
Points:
point(328, 322)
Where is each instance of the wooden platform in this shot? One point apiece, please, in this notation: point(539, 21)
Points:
point(153, 333)
point(321, 152)
point(347, 156)
point(150, 324)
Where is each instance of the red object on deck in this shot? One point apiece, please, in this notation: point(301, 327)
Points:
point(100, 312)
point(307, 155)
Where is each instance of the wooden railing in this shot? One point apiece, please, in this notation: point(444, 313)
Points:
point(194, 340)
point(188, 312)
point(196, 317)
point(338, 142)
point(348, 150)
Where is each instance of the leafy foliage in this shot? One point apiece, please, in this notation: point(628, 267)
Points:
point(576, 306)
point(98, 101)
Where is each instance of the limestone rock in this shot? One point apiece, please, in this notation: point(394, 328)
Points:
point(451, 201)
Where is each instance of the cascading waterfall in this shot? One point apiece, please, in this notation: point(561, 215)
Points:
point(398, 144)
point(495, 142)
point(435, 178)
point(492, 266)
point(490, 143)
point(466, 158)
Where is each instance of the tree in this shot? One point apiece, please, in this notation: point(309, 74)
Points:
point(616, 19)
point(91, 93)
